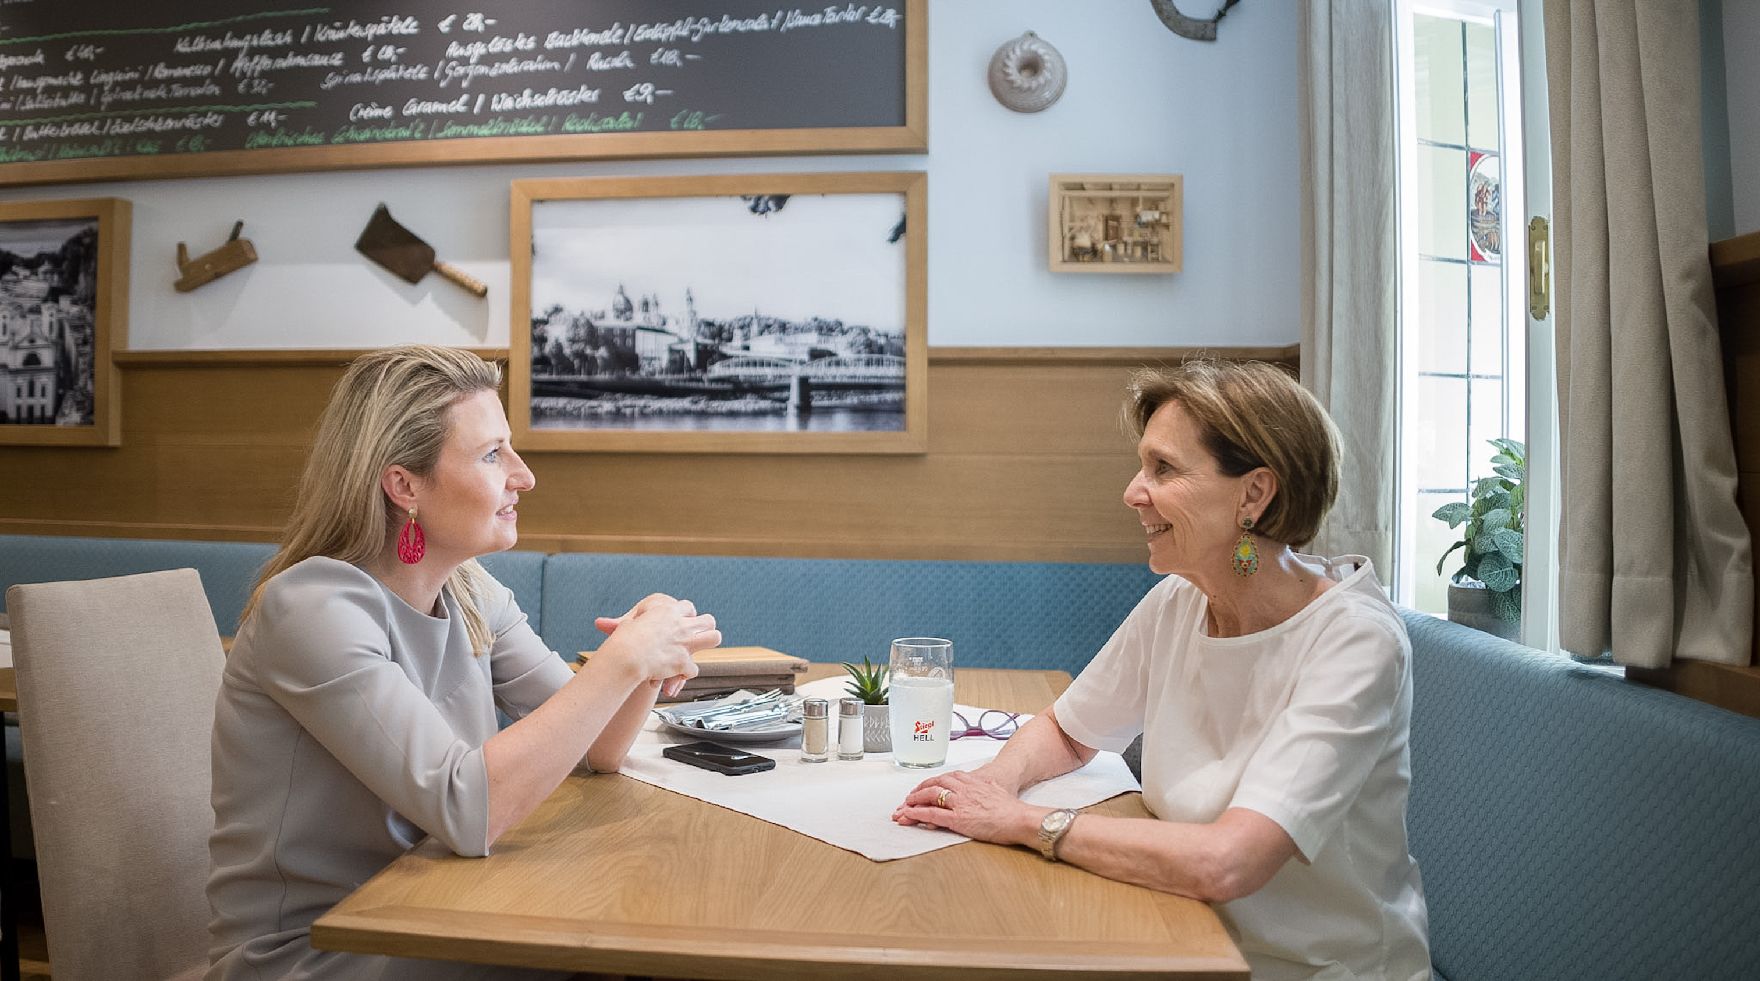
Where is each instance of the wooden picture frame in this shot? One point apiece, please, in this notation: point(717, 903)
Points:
point(1115, 223)
point(63, 315)
point(290, 124)
point(763, 313)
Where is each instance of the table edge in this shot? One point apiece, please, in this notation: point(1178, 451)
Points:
point(556, 942)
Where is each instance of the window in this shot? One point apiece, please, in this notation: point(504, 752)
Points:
point(1463, 312)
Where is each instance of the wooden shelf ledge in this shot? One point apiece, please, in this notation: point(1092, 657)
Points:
point(1288, 354)
point(1727, 686)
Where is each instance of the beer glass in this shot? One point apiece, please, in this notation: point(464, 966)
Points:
point(921, 700)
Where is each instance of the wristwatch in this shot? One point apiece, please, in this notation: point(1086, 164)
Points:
point(1052, 828)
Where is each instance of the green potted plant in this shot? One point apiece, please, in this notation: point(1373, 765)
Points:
point(868, 683)
point(1486, 591)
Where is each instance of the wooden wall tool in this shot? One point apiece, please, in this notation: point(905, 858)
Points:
point(398, 249)
point(235, 254)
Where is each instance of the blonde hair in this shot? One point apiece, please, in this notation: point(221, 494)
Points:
point(1251, 414)
point(389, 408)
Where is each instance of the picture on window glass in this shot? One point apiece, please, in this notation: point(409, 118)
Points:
point(1485, 183)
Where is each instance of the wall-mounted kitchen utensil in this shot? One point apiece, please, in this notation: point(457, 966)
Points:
point(398, 249)
point(235, 254)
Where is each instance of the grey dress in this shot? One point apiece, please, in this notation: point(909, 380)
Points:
point(348, 727)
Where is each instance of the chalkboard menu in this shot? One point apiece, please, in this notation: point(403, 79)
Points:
point(99, 89)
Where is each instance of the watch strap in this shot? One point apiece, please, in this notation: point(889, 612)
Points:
point(1052, 829)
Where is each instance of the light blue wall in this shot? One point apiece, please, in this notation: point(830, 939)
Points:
point(1741, 47)
point(1720, 218)
point(1140, 100)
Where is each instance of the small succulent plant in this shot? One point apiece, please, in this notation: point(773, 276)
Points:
point(867, 682)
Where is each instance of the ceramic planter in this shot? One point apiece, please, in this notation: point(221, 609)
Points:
point(1469, 604)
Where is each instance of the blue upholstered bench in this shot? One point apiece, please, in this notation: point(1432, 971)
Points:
point(228, 569)
point(998, 614)
point(1570, 824)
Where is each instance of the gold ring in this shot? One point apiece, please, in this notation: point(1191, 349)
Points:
point(941, 798)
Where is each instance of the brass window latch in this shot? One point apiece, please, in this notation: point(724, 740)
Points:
point(1539, 267)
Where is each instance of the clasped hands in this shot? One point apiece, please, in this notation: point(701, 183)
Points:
point(659, 635)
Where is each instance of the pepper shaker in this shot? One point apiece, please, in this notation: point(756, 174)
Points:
point(815, 731)
point(849, 729)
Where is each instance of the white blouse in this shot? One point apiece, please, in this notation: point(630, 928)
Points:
point(1306, 723)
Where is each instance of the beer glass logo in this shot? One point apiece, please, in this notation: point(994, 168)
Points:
point(923, 732)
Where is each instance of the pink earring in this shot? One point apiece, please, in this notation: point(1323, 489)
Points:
point(411, 544)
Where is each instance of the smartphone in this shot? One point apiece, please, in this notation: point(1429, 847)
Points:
point(721, 759)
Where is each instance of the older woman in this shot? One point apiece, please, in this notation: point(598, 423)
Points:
point(357, 710)
point(1272, 689)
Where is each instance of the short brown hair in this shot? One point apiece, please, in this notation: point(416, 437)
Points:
point(1251, 414)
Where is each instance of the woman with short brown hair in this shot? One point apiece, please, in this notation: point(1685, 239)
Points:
point(1272, 690)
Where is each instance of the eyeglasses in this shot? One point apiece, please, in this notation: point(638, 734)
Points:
point(994, 723)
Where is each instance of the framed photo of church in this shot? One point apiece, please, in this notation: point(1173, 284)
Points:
point(63, 311)
point(762, 313)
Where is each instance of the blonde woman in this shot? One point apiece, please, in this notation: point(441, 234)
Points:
point(357, 711)
point(1272, 689)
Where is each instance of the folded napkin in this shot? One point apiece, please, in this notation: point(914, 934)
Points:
point(850, 804)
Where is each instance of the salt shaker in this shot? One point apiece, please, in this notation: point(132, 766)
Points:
point(849, 729)
point(815, 731)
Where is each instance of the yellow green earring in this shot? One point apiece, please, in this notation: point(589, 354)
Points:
point(1246, 554)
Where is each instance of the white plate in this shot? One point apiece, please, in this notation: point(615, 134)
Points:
point(783, 731)
point(766, 735)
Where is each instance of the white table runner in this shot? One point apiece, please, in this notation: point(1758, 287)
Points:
point(850, 804)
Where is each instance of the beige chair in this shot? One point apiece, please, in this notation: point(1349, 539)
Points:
point(116, 686)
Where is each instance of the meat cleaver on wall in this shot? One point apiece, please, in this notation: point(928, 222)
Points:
point(398, 249)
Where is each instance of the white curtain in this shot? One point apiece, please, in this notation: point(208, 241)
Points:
point(1350, 265)
point(1654, 557)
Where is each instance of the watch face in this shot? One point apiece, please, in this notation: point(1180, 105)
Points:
point(1054, 822)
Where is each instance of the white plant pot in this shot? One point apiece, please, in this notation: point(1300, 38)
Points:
point(876, 729)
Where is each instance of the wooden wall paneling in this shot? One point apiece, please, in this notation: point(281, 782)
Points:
point(953, 507)
point(1026, 461)
point(1735, 266)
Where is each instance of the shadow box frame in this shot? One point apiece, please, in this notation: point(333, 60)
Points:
point(912, 438)
point(1168, 206)
point(109, 319)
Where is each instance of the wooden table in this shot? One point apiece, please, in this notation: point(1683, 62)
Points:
point(611, 874)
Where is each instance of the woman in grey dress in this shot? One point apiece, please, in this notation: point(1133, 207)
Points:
point(357, 710)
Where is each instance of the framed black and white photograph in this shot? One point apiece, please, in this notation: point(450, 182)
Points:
point(748, 313)
point(63, 303)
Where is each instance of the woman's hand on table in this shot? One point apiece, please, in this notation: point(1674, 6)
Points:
point(972, 804)
point(659, 634)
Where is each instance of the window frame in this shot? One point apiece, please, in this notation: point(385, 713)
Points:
point(1530, 402)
